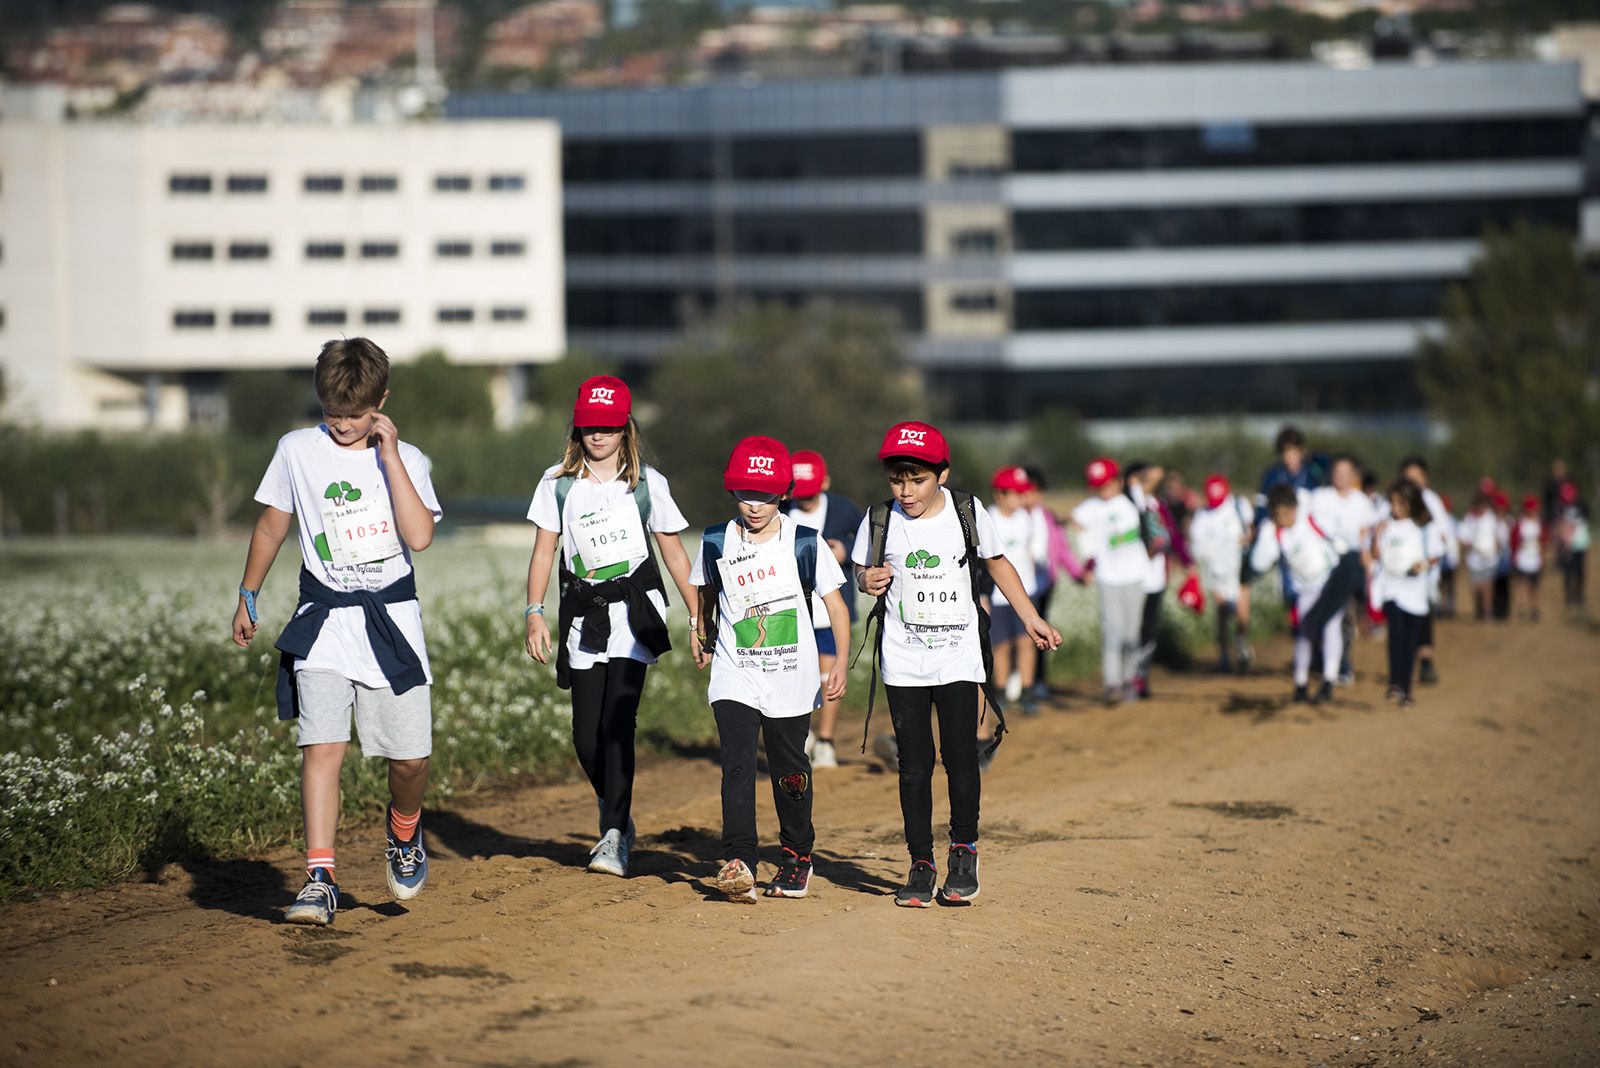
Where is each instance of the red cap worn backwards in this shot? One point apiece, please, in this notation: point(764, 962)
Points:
point(1099, 472)
point(1217, 490)
point(915, 441)
point(809, 473)
point(758, 465)
point(602, 401)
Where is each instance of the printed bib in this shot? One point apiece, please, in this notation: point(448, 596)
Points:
point(1305, 556)
point(936, 593)
point(360, 530)
point(612, 536)
point(755, 578)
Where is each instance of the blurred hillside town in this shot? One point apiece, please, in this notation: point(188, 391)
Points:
point(1131, 208)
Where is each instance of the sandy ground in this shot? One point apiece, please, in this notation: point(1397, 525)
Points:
point(1208, 878)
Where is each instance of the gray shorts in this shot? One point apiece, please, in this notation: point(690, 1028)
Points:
point(397, 726)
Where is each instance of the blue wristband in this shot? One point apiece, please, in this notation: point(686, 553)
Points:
point(249, 602)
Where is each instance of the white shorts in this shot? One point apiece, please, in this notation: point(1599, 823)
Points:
point(397, 726)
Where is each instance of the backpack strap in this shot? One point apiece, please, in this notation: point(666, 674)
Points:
point(967, 514)
point(877, 550)
point(805, 558)
point(711, 545)
point(564, 486)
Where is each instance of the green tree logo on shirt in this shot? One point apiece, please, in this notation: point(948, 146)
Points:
point(922, 559)
point(341, 493)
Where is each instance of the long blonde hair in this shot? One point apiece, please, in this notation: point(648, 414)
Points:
point(630, 464)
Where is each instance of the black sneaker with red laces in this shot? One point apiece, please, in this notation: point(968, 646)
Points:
point(793, 878)
point(961, 878)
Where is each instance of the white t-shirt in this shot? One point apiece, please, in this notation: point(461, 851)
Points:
point(1401, 546)
point(1111, 539)
point(1311, 556)
point(1018, 536)
point(1482, 537)
point(766, 657)
point(929, 583)
point(342, 508)
point(1349, 518)
point(605, 512)
point(1217, 539)
point(1042, 522)
point(1530, 553)
point(815, 520)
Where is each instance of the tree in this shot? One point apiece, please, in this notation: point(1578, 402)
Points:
point(827, 377)
point(1517, 372)
point(269, 403)
point(430, 393)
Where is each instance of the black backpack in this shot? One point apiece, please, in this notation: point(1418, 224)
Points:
point(877, 547)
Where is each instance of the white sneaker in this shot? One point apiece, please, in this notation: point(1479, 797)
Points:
point(738, 882)
point(607, 857)
point(1013, 688)
point(811, 743)
point(823, 756)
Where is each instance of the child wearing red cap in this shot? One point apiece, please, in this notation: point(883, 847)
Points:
point(755, 576)
point(1484, 537)
point(1106, 526)
point(1528, 538)
point(1022, 543)
point(836, 517)
point(600, 501)
point(918, 554)
point(1218, 534)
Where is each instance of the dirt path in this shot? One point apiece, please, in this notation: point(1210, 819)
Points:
point(1206, 879)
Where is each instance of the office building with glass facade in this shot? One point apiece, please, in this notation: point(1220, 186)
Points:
point(1125, 241)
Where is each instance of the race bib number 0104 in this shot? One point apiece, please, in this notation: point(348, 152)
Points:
point(609, 537)
point(757, 579)
point(935, 597)
point(360, 531)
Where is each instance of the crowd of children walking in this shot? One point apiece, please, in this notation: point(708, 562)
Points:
point(958, 628)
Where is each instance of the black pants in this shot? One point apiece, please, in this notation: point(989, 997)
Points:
point(1500, 601)
point(605, 712)
point(1405, 637)
point(1572, 577)
point(912, 708)
point(1149, 628)
point(1041, 602)
point(790, 770)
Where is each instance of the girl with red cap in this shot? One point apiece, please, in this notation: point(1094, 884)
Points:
point(1528, 538)
point(835, 517)
point(1107, 528)
point(1218, 534)
point(604, 503)
point(755, 576)
point(918, 554)
point(1022, 542)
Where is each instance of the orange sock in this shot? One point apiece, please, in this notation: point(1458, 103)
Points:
point(320, 858)
point(403, 827)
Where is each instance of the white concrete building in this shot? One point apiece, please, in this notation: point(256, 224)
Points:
point(139, 263)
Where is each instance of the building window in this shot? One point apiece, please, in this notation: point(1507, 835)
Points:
point(324, 250)
point(249, 250)
point(455, 315)
point(381, 316)
point(379, 183)
point(250, 317)
point(976, 242)
point(452, 183)
point(192, 250)
point(247, 183)
point(508, 248)
point(453, 249)
point(507, 183)
point(379, 250)
point(975, 300)
point(325, 317)
point(189, 183)
point(194, 320)
point(324, 183)
point(511, 313)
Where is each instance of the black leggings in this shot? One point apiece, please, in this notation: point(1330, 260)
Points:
point(1405, 637)
point(1149, 629)
point(1572, 577)
point(605, 712)
point(790, 771)
point(911, 708)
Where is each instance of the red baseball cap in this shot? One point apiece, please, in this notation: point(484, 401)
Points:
point(603, 400)
point(1501, 502)
point(1100, 471)
point(1217, 490)
point(1569, 492)
point(1012, 479)
point(759, 465)
point(809, 473)
point(916, 441)
point(1486, 486)
point(1530, 503)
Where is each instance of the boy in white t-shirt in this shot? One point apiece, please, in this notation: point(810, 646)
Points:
point(1218, 536)
point(753, 575)
point(1106, 527)
point(1293, 536)
point(365, 503)
point(932, 655)
point(1527, 557)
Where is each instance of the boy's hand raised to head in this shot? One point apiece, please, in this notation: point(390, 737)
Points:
point(385, 436)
